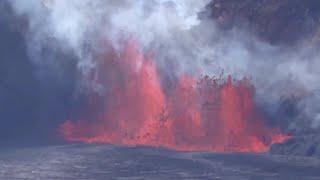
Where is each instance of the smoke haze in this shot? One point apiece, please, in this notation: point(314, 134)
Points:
point(62, 42)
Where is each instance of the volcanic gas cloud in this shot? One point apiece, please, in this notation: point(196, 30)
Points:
point(196, 114)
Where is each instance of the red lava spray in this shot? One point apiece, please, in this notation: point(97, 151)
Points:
point(203, 114)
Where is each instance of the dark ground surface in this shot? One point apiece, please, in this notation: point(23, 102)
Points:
point(80, 161)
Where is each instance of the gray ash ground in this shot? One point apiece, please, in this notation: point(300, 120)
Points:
point(80, 161)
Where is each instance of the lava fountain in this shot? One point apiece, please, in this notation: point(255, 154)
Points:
point(205, 114)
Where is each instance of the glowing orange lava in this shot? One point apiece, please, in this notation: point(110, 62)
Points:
point(197, 115)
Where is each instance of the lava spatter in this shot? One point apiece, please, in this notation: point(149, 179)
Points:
point(203, 114)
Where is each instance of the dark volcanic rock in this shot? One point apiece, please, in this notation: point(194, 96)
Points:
point(307, 145)
point(278, 22)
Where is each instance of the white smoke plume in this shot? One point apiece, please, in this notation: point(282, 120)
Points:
point(79, 24)
point(173, 31)
point(76, 22)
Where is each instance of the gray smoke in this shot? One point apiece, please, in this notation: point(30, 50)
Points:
point(180, 40)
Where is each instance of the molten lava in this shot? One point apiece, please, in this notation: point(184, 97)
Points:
point(196, 115)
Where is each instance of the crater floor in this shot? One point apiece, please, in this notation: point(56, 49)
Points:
point(80, 161)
